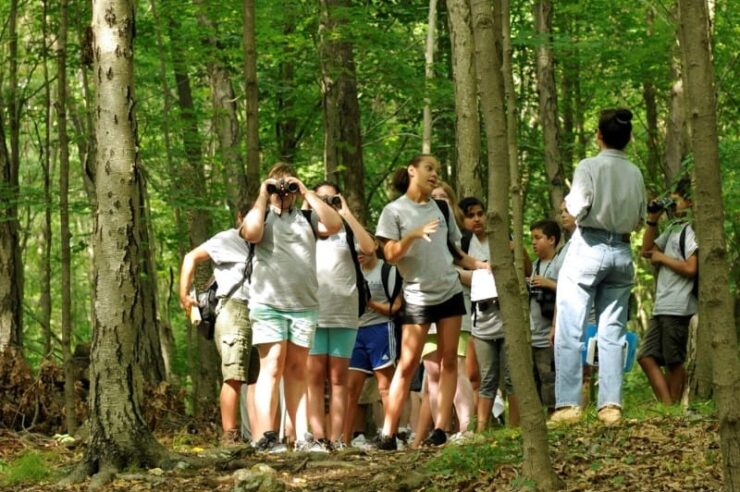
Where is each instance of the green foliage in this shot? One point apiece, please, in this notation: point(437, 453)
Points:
point(495, 448)
point(28, 468)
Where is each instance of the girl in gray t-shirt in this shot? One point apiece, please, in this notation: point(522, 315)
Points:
point(420, 238)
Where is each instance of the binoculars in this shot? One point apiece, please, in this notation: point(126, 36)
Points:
point(334, 201)
point(660, 204)
point(283, 187)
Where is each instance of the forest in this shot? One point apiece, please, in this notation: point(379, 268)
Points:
point(131, 132)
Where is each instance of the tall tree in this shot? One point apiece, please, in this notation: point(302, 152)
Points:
point(119, 436)
point(342, 129)
point(548, 105)
point(426, 139)
point(649, 94)
point(488, 65)
point(64, 232)
point(252, 97)
point(715, 300)
point(467, 122)
point(11, 266)
point(46, 232)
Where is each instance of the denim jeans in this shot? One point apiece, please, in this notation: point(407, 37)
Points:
point(597, 273)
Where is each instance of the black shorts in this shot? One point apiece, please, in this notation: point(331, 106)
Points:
point(665, 340)
point(415, 314)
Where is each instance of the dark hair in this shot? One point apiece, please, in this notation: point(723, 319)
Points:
point(549, 228)
point(470, 201)
point(615, 126)
point(401, 178)
point(683, 188)
point(328, 183)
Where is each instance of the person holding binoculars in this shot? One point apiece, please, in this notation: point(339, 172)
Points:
point(337, 324)
point(284, 304)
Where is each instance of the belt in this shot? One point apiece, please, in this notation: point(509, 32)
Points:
point(608, 235)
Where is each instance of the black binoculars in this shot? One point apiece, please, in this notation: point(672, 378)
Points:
point(283, 187)
point(660, 204)
point(334, 201)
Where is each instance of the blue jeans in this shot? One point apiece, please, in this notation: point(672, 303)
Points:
point(597, 273)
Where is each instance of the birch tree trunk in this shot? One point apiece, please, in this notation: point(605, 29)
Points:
point(119, 436)
point(426, 139)
point(64, 233)
point(252, 96)
point(342, 129)
point(548, 103)
point(488, 65)
point(467, 122)
point(715, 300)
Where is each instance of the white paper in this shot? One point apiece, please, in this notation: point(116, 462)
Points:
point(482, 286)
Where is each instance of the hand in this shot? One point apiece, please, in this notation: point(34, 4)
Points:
point(482, 265)
point(344, 208)
point(301, 187)
point(551, 335)
point(424, 231)
point(656, 257)
point(537, 281)
point(655, 216)
point(187, 303)
point(265, 183)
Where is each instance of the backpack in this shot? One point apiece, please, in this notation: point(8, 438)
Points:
point(385, 273)
point(682, 247)
point(363, 289)
point(208, 304)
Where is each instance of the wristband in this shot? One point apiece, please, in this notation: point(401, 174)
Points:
point(652, 224)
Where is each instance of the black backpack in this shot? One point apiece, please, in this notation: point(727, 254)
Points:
point(682, 247)
point(208, 305)
point(445, 208)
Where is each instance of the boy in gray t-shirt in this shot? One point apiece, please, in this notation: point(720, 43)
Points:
point(674, 253)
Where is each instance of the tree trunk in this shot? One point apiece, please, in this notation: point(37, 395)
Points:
point(64, 233)
point(467, 122)
point(548, 106)
point(517, 205)
point(202, 356)
point(252, 96)
point(286, 126)
point(488, 65)
point(342, 129)
point(675, 135)
point(715, 300)
point(426, 139)
point(119, 436)
point(46, 232)
point(651, 113)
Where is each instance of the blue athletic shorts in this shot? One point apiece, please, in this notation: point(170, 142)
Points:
point(375, 348)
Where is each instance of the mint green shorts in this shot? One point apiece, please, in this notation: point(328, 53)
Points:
point(334, 342)
point(270, 325)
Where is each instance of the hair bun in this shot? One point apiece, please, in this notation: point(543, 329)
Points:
point(623, 116)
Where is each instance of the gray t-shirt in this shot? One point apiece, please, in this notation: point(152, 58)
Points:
point(284, 265)
point(673, 291)
point(229, 252)
point(488, 324)
point(539, 324)
point(377, 293)
point(335, 270)
point(427, 268)
point(608, 193)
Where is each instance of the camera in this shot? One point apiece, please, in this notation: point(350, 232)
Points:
point(545, 298)
point(334, 201)
point(283, 187)
point(660, 204)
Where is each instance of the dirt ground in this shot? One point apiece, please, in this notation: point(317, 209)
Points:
point(656, 454)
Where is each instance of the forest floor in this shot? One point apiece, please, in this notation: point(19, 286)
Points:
point(666, 451)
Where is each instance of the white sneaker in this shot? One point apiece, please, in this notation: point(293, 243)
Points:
point(361, 442)
point(310, 445)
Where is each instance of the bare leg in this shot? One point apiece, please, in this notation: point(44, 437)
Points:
point(295, 388)
point(676, 381)
point(272, 363)
point(229, 402)
point(425, 421)
point(463, 396)
point(316, 371)
point(657, 379)
point(485, 407)
point(338, 369)
point(355, 380)
point(448, 335)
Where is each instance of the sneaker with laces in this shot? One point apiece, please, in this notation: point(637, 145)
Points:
point(309, 444)
point(270, 443)
point(385, 443)
point(338, 445)
point(610, 415)
point(436, 438)
point(361, 442)
point(566, 415)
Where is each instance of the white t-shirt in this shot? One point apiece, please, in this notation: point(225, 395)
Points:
point(488, 324)
point(335, 271)
point(427, 268)
point(673, 291)
point(229, 253)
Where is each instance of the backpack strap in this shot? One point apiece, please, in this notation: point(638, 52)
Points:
point(467, 237)
point(360, 278)
point(682, 241)
point(307, 214)
point(385, 273)
point(445, 208)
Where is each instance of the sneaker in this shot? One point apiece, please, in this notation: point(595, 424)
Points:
point(566, 415)
point(338, 445)
point(610, 415)
point(360, 442)
point(460, 438)
point(231, 438)
point(311, 445)
point(385, 443)
point(270, 443)
point(436, 438)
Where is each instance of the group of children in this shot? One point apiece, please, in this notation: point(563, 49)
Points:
point(323, 302)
